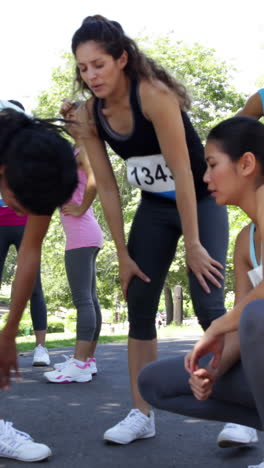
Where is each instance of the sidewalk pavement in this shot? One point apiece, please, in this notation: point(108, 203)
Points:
point(71, 419)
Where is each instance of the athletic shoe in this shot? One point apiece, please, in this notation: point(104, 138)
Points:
point(41, 356)
point(135, 426)
point(92, 362)
point(235, 435)
point(257, 466)
point(60, 365)
point(72, 372)
point(19, 445)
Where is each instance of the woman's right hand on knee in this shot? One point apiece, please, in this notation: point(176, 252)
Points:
point(127, 270)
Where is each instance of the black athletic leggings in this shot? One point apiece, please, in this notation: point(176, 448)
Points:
point(238, 396)
point(152, 243)
point(12, 235)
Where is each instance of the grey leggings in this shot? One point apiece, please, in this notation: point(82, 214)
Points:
point(81, 273)
point(12, 235)
point(153, 239)
point(238, 396)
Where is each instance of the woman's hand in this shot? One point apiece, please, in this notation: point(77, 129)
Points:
point(8, 360)
point(65, 107)
point(209, 343)
point(72, 209)
point(202, 383)
point(127, 269)
point(203, 266)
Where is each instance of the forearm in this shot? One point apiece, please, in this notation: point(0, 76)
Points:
point(231, 353)
point(88, 199)
point(28, 262)
point(111, 204)
point(27, 267)
point(187, 206)
point(230, 321)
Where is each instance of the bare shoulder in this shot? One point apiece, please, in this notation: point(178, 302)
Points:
point(242, 244)
point(155, 97)
point(253, 107)
point(154, 89)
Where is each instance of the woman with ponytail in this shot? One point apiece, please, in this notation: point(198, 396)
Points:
point(140, 111)
point(33, 158)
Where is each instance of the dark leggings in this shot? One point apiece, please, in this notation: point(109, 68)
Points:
point(81, 272)
point(12, 235)
point(153, 239)
point(238, 396)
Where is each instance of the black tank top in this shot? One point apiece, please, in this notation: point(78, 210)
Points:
point(146, 166)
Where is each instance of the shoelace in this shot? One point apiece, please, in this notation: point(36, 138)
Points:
point(134, 419)
point(230, 425)
point(40, 351)
point(13, 437)
point(67, 359)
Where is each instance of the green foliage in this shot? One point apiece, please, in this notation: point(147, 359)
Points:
point(9, 266)
point(206, 77)
point(70, 321)
point(55, 325)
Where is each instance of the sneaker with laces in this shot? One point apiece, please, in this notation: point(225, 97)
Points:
point(62, 364)
point(135, 426)
point(41, 356)
point(92, 362)
point(235, 435)
point(19, 445)
point(71, 372)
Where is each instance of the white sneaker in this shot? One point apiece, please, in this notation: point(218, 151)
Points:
point(61, 365)
point(135, 426)
point(41, 356)
point(235, 435)
point(92, 362)
point(257, 466)
point(71, 372)
point(19, 445)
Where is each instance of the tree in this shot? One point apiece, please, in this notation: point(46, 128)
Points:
point(209, 81)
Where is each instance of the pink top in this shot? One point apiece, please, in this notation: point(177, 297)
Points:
point(81, 231)
point(9, 218)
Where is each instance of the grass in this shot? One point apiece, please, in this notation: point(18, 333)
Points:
point(60, 340)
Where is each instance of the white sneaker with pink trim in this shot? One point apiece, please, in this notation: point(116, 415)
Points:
point(92, 362)
point(61, 365)
point(71, 372)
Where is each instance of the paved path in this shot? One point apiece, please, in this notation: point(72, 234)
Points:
point(71, 419)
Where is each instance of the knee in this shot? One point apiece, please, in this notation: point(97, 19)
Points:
point(141, 329)
point(83, 299)
point(208, 309)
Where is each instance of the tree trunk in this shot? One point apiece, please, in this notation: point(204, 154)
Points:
point(177, 311)
point(168, 304)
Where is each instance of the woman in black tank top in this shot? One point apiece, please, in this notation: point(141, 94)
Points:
point(140, 110)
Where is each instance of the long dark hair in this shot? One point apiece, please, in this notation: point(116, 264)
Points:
point(238, 135)
point(111, 37)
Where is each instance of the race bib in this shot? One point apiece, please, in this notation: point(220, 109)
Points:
point(151, 174)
